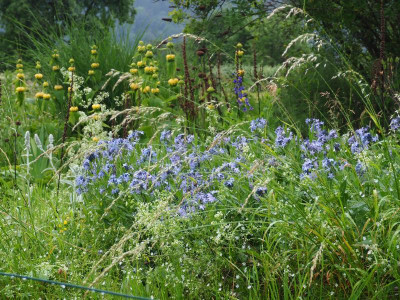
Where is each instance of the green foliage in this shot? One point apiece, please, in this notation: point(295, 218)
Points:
point(31, 17)
point(209, 201)
point(354, 27)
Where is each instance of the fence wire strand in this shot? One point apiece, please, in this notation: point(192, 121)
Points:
point(70, 285)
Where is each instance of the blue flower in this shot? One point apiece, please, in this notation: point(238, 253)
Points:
point(308, 166)
point(261, 191)
point(229, 183)
point(242, 98)
point(86, 164)
point(165, 136)
point(125, 177)
point(281, 137)
point(360, 168)
point(258, 123)
point(135, 135)
point(395, 123)
point(361, 140)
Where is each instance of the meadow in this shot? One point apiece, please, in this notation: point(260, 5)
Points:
point(179, 170)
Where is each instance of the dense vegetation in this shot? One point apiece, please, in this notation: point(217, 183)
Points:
point(257, 163)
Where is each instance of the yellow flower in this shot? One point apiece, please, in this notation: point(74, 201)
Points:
point(71, 60)
point(141, 64)
point(240, 53)
point(141, 49)
point(170, 57)
point(95, 139)
point(58, 87)
point(155, 76)
point(155, 91)
point(93, 51)
point(45, 84)
point(173, 81)
point(71, 69)
point(39, 95)
point(65, 222)
point(94, 65)
point(134, 86)
point(149, 70)
point(56, 68)
point(20, 76)
point(91, 72)
point(73, 109)
point(210, 106)
point(55, 55)
point(239, 46)
point(133, 71)
point(96, 106)
point(19, 66)
point(38, 76)
point(20, 89)
point(243, 99)
point(149, 54)
point(146, 90)
point(46, 96)
point(96, 117)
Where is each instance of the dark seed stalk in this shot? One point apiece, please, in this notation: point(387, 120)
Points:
point(65, 130)
point(220, 81)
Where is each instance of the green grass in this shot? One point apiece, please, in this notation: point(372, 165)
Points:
point(308, 237)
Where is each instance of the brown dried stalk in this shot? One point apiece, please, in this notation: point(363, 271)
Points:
point(188, 83)
point(382, 55)
point(126, 106)
point(220, 81)
point(256, 78)
point(65, 128)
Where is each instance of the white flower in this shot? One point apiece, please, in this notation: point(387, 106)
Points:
point(38, 142)
point(28, 140)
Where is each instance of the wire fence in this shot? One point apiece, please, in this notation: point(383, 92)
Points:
point(70, 285)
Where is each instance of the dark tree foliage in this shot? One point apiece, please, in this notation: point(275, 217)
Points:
point(226, 23)
point(39, 16)
point(355, 26)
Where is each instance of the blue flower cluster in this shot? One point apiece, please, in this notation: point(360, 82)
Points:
point(318, 144)
point(361, 139)
point(282, 137)
point(395, 123)
point(125, 166)
point(318, 138)
point(258, 123)
point(242, 98)
point(197, 175)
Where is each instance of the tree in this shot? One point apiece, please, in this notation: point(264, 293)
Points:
point(354, 26)
point(227, 22)
point(18, 16)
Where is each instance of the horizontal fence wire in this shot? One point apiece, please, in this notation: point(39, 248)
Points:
point(70, 285)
